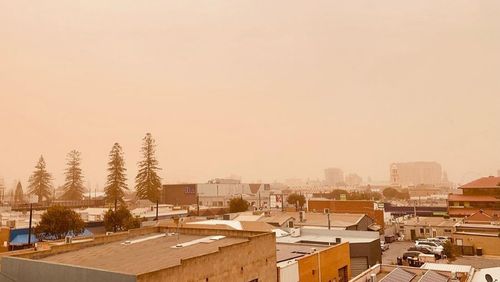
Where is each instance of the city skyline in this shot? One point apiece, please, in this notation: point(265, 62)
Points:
point(250, 89)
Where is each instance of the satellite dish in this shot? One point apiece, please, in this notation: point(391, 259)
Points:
point(488, 278)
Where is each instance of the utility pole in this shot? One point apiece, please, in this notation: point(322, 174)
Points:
point(329, 226)
point(197, 204)
point(29, 228)
point(157, 204)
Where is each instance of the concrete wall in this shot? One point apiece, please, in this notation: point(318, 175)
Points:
point(326, 266)
point(440, 231)
point(25, 270)
point(255, 259)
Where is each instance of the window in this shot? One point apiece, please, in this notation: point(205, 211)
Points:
point(427, 230)
point(421, 231)
point(460, 242)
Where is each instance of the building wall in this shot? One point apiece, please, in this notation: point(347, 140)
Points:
point(327, 264)
point(428, 231)
point(289, 272)
point(255, 259)
point(490, 245)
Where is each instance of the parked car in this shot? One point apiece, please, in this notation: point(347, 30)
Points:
point(443, 239)
point(436, 248)
point(384, 246)
point(411, 254)
point(426, 250)
point(435, 240)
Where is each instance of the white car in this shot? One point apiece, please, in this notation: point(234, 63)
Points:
point(435, 247)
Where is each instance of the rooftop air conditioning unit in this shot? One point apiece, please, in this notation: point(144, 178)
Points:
point(68, 240)
point(109, 233)
point(295, 232)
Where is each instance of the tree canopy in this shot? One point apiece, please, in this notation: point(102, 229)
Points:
point(58, 222)
point(297, 200)
point(238, 205)
point(40, 181)
point(393, 193)
point(116, 180)
point(120, 220)
point(73, 187)
point(19, 193)
point(147, 181)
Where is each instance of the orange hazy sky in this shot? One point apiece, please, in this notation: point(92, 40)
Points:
point(267, 90)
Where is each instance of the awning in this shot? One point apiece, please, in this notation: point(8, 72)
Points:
point(22, 239)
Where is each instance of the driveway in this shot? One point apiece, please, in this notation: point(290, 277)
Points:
point(396, 249)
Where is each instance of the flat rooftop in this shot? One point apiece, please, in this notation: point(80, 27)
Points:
point(144, 254)
point(286, 251)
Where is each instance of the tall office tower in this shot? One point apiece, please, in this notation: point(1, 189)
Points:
point(334, 176)
point(416, 173)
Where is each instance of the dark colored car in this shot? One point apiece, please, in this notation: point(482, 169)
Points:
point(413, 254)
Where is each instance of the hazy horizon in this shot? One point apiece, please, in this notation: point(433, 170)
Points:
point(264, 90)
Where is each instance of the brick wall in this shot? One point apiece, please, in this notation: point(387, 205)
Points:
point(365, 207)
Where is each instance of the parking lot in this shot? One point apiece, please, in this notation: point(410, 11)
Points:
point(396, 249)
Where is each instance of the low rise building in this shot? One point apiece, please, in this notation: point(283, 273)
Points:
point(348, 206)
point(313, 262)
point(480, 194)
point(424, 227)
point(478, 234)
point(364, 246)
point(429, 272)
point(166, 253)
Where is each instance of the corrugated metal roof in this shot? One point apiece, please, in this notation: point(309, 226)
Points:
point(447, 267)
point(398, 275)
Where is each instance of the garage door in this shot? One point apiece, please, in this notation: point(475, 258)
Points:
point(358, 265)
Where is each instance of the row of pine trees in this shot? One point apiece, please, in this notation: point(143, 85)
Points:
point(147, 181)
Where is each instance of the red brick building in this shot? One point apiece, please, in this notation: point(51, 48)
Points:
point(480, 194)
point(350, 206)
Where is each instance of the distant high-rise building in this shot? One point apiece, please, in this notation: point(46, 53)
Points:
point(415, 173)
point(498, 173)
point(353, 180)
point(334, 176)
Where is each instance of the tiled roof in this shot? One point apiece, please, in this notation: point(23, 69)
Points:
point(484, 182)
point(457, 197)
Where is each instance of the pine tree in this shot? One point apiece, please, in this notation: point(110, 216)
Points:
point(19, 194)
point(40, 181)
point(73, 187)
point(116, 181)
point(148, 183)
